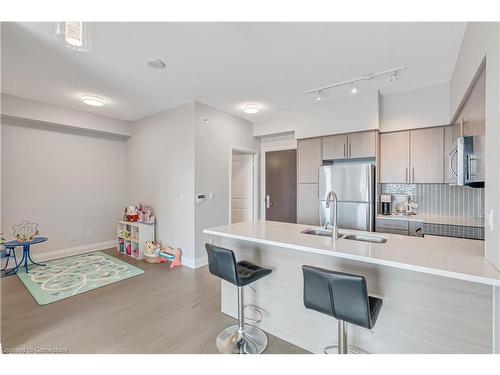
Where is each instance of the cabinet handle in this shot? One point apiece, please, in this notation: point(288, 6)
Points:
point(349, 150)
point(413, 174)
point(344, 151)
point(406, 174)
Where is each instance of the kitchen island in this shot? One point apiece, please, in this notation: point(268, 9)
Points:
point(438, 292)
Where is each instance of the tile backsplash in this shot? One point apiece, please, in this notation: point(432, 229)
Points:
point(440, 199)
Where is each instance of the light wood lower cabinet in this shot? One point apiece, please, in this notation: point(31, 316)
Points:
point(307, 204)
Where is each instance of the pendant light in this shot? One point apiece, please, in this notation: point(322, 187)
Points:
point(74, 35)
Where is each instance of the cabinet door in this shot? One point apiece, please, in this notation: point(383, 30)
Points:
point(394, 157)
point(335, 147)
point(449, 141)
point(308, 160)
point(361, 145)
point(307, 204)
point(426, 155)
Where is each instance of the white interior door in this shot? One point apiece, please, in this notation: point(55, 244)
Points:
point(242, 188)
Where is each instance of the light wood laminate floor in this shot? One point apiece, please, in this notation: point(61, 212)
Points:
point(160, 311)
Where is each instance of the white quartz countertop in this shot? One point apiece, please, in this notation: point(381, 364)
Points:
point(448, 257)
point(437, 219)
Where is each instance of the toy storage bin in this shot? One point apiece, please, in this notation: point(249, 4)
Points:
point(135, 235)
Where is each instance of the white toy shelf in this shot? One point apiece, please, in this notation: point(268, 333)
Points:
point(132, 238)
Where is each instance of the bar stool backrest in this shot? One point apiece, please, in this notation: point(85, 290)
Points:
point(222, 263)
point(341, 295)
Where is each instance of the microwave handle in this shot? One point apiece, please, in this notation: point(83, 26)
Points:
point(451, 155)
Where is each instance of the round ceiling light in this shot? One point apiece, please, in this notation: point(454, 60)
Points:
point(251, 108)
point(156, 64)
point(94, 101)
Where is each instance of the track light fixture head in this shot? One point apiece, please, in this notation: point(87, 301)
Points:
point(354, 89)
point(394, 77)
point(318, 95)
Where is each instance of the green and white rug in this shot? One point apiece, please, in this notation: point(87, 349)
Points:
point(66, 277)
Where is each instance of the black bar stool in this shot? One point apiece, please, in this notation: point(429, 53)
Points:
point(241, 338)
point(343, 296)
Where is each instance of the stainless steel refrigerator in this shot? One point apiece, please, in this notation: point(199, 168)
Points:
point(354, 185)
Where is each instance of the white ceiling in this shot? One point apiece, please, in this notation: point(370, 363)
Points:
point(221, 64)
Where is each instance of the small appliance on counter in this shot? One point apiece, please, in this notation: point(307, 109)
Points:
point(386, 200)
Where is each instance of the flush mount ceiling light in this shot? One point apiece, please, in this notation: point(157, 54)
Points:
point(74, 35)
point(251, 108)
point(156, 64)
point(393, 72)
point(94, 101)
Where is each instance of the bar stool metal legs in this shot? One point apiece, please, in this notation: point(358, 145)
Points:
point(342, 346)
point(241, 338)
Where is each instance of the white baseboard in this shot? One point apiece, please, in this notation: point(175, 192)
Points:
point(195, 262)
point(61, 253)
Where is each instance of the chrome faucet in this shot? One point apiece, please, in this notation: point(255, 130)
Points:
point(332, 197)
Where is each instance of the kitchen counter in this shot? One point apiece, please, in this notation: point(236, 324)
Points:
point(438, 219)
point(438, 292)
point(448, 257)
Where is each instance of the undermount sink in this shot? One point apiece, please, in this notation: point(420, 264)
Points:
point(363, 238)
point(318, 232)
point(352, 237)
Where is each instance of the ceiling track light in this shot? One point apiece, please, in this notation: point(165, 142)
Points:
point(318, 95)
point(393, 78)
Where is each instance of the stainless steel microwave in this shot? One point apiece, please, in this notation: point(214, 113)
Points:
point(466, 162)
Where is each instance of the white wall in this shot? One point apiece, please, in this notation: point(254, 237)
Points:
point(33, 110)
point(483, 40)
point(428, 106)
point(329, 116)
point(215, 139)
point(480, 40)
point(160, 173)
point(66, 182)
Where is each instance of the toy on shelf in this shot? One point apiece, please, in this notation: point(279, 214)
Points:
point(131, 214)
point(155, 254)
point(146, 214)
point(128, 249)
point(141, 214)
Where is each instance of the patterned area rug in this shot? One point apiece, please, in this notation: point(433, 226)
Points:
point(66, 277)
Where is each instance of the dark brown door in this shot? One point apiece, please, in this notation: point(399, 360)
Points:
point(281, 186)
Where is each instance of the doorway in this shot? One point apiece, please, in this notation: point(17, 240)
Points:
point(281, 186)
point(242, 186)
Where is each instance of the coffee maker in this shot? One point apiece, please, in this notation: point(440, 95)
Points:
point(385, 200)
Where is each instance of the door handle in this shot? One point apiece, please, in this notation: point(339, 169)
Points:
point(268, 201)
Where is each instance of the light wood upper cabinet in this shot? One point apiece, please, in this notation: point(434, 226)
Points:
point(362, 144)
point(350, 146)
point(394, 157)
point(426, 155)
point(334, 147)
point(307, 204)
point(308, 160)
